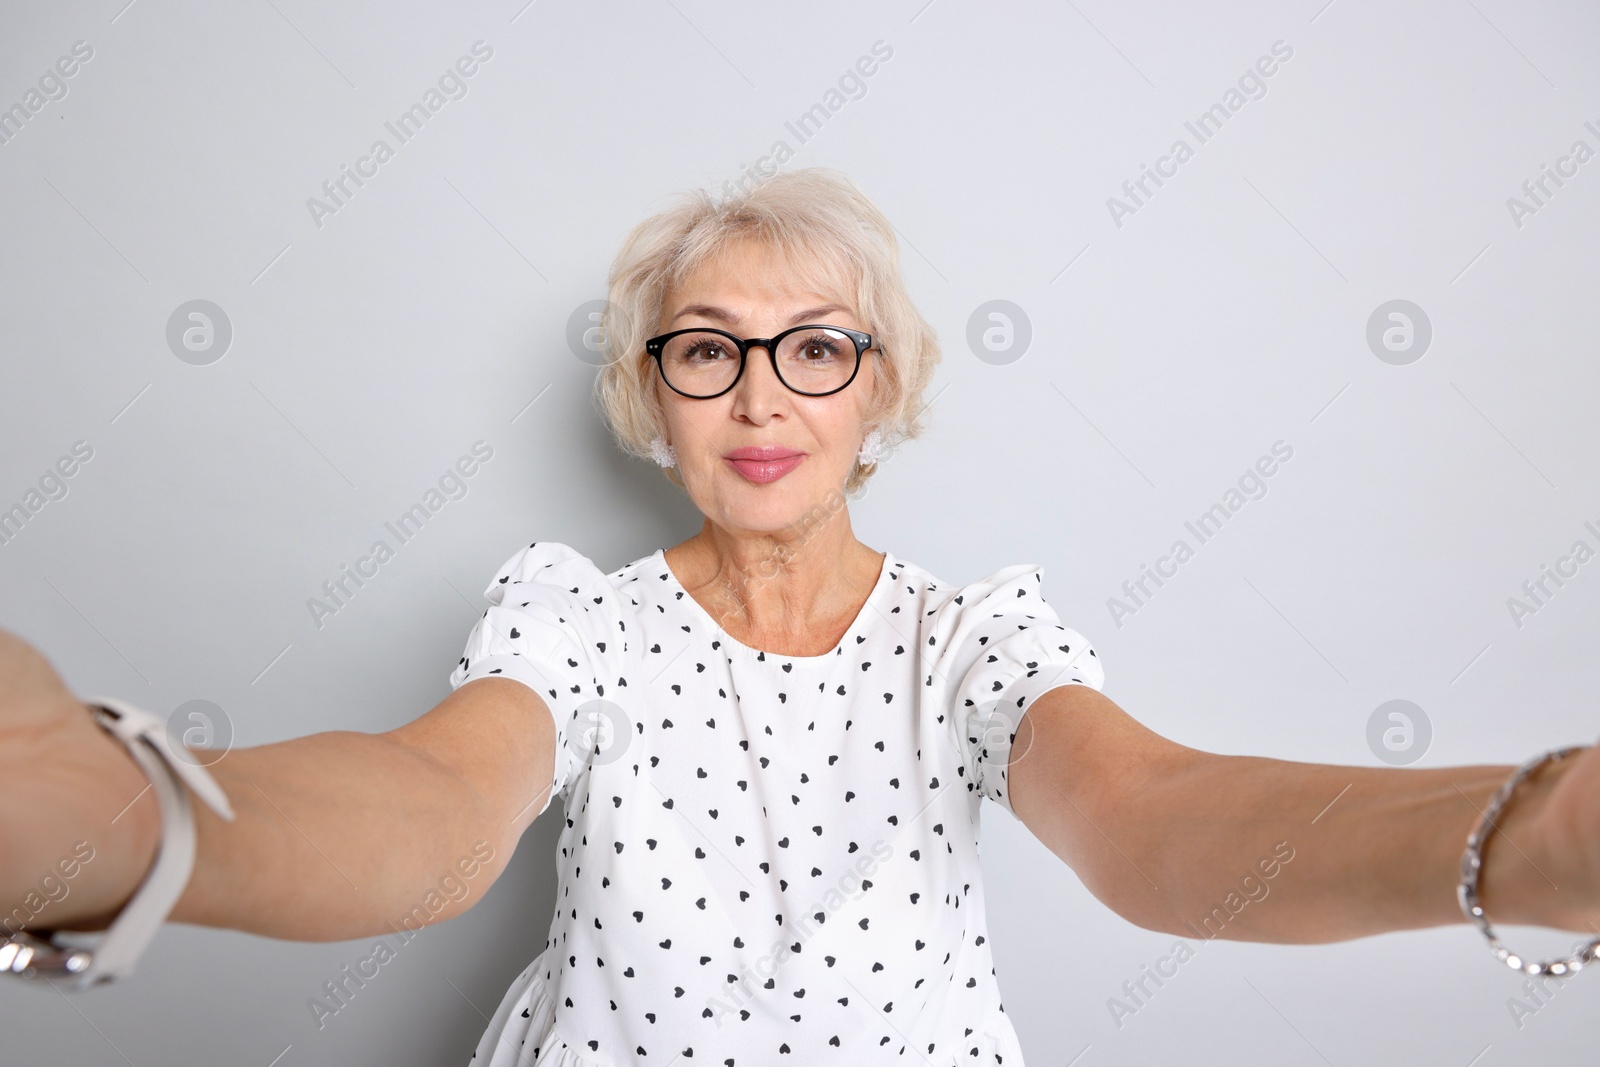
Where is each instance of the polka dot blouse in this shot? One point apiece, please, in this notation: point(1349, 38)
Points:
point(767, 856)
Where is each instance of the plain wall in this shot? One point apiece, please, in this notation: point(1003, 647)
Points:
point(1173, 341)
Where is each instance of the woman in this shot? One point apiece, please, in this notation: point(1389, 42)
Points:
point(771, 741)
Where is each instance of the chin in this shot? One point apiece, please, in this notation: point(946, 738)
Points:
point(776, 505)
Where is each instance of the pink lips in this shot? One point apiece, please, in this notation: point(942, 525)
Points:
point(765, 463)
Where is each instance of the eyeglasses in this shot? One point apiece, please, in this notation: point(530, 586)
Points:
point(811, 360)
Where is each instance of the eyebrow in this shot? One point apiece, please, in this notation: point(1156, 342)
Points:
point(725, 316)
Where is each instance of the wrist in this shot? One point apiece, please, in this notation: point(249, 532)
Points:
point(133, 835)
point(1524, 869)
point(123, 817)
point(78, 959)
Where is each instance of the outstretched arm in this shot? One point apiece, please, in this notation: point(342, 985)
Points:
point(344, 834)
point(1246, 848)
point(336, 835)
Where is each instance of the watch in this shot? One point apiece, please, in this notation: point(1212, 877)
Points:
point(80, 960)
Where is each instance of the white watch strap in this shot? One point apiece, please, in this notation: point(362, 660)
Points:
point(79, 960)
point(129, 722)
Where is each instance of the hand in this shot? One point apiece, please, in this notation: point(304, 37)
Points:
point(63, 780)
point(1546, 851)
point(1569, 824)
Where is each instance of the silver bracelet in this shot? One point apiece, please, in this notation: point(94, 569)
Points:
point(1472, 870)
point(80, 960)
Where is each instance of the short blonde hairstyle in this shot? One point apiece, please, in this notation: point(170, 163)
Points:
point(841, 245)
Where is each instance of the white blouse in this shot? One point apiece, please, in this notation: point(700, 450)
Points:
point(767, 855)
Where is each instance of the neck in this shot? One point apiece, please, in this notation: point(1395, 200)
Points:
point(794, 582)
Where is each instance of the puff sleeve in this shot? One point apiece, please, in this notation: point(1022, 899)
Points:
point(1003, 647)
point(553, 624)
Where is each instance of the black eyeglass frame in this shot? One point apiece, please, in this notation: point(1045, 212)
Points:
point(655, 345)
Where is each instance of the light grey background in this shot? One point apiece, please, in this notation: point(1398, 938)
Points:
point(1228, 312)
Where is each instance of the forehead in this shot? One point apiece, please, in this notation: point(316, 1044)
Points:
point(751, 277)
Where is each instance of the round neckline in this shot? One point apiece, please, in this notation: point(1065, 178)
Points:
point(885, 578)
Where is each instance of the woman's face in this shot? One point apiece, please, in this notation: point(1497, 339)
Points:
point(748, 293)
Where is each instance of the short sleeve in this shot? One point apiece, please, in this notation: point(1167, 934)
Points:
point(1004, 647)
point(553, 624)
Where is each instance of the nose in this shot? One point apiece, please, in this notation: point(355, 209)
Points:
point(759, 364)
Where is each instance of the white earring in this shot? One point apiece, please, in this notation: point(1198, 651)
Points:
point(872, 448)
point(663, 453)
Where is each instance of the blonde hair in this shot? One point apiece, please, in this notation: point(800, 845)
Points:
point(840, 243)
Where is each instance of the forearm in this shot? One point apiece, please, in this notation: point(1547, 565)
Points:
point(339, 835)
point(72, 846)
point(335, 835)
point(1257, 849)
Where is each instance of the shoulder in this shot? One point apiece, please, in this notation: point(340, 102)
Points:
point(553, 567)
point(553, 581)
point(1002, 615)
point(1012, 590)
point(551, 606)
point(545, 563)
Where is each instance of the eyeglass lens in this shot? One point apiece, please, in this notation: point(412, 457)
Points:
point(702, 363)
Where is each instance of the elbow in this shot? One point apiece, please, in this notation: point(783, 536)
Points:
point(456, 890)
point(1140, 904)
point(1116, 849)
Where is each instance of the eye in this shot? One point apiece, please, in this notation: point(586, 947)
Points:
point(704, 349)
point(821, 346)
